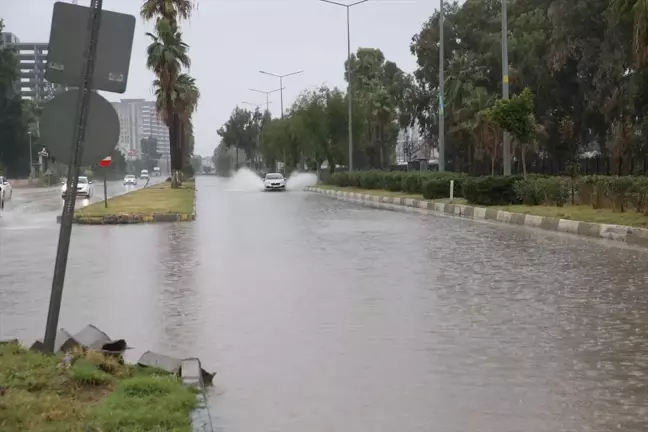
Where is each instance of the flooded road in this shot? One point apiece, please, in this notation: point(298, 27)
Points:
point(321, 315)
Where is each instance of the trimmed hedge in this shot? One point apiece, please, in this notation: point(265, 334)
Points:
point(617, 193)
point(432, 185)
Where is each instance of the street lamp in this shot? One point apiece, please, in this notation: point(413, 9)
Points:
point(267, 95)
point(349, 87)
point(506, 151)
point(281, 87)
point(31, 162)
point(441, 93)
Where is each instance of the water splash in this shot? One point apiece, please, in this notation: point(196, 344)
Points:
point(245, 180)
point(298, 181)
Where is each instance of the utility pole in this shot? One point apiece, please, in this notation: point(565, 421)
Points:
point(281, 88)
point(349, 75)
point(441, 92)
point(506, 150)
point(267, 96)
point(31, 161)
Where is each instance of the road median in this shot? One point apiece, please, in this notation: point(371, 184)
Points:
point(86, 390)
point(157, 203)
point(550, 219)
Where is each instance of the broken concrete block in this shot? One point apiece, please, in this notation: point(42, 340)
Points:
point(160, 361)
point(64, 342)
point(193, 374)
point(91, 337)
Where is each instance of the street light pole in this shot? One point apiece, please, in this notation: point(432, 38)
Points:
point(31, 162)
point(506, 151)
point(258, 137)
point(349, 85)
point(442, 159)
point(281, 88)
point(267, 96)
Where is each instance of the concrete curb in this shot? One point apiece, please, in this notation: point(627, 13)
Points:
point(192, 375)
point(620, 233)
point(131, 219)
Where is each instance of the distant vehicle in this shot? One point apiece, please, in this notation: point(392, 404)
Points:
point(157, 172)
point(130, 180)
point(84, 188)
point(144, 175)
point(5, 188)
point(274, 181)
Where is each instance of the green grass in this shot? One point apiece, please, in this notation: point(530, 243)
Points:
point(382, 192)
point(95, 393)
point(156, 199)
point(583, 213)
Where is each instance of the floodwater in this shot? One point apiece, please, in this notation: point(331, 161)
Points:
point(321, 315)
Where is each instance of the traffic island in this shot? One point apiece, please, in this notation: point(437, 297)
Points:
point(158, 203)
point(87, 387)
point(551, 219)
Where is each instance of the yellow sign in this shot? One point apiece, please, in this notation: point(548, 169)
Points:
point(506, 79)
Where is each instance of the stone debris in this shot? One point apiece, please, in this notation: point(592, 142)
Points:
point(177, 366)
point(90, 337)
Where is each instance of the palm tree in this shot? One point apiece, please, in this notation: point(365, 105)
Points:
point(166, 55)
point(170, 10)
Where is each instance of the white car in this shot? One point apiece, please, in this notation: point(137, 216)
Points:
point(84, 188)
point(144, 175)
point(274, 181)
point(130, 180)
point(5, 190)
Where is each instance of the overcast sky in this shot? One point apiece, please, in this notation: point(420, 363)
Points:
point(231, 40)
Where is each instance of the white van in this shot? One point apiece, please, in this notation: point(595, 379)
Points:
point(144, 175)
point(157, 172)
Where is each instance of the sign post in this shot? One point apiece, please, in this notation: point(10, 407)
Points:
point(104, 164)
point(88, 49)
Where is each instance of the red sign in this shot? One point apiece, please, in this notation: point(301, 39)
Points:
point(132, 153)
point(105, 162)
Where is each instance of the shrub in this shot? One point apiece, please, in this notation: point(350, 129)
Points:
point(412, 183)
point(491, 190)
point(542, 190)
point(438, 186)
point(371, 179)
point(393, 181)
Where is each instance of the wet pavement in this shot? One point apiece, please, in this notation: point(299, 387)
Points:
point(321, 315)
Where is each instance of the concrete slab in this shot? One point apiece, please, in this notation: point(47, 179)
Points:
point(160, 361)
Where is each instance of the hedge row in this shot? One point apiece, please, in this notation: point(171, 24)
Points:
point(617, 193)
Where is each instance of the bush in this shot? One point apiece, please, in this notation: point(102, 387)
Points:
point(371, 179)
point(393, 180)
point(437, 187)
point(491, 190)
point(542, 190)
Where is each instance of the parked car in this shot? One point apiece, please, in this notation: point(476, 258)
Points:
point(5, 188)
point(84, 188)
point(130, 180)
point(144, 175)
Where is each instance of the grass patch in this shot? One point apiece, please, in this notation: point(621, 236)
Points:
point(583, 213)
point(157, 199)
point(94, 393)
point(382, 192)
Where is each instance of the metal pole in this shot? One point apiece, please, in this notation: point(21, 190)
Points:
point(73, 177)
point(105, 187)
point(31, 162)
point(442, 156)
point(506, 151)
point(349, 88)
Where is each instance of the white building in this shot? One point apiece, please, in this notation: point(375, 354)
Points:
point(138, 119)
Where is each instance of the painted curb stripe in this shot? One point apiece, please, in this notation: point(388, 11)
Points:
point(620, 233)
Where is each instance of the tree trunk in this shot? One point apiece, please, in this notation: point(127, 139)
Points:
point(523, 157)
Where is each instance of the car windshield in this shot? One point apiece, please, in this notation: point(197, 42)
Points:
point(130, 177)
point(274, 177)
point(83, 180)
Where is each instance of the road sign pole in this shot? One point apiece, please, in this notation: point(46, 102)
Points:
point(105, 188)
point(73, 177)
